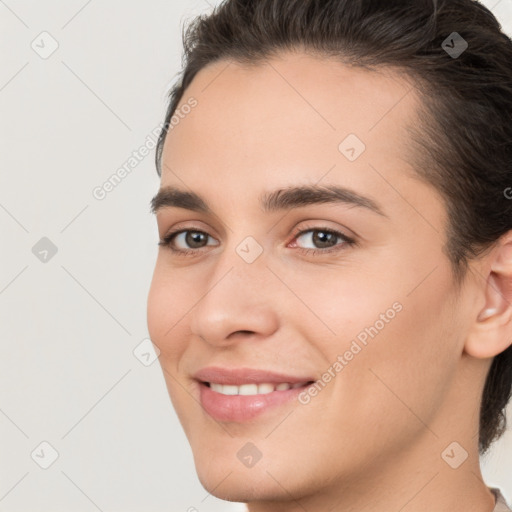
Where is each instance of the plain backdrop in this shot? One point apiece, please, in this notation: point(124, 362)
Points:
point(75, 270)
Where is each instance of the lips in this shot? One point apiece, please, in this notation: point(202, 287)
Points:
point(240, 376)
point(240, 395)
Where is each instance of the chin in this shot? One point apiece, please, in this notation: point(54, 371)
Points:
point(241, 486)
point(273, 478)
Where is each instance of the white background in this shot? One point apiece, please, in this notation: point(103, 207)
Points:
point(68, 327)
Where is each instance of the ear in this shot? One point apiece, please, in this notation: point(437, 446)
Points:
point(491, 332)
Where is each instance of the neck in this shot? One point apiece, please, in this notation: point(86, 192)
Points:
point(418, 481)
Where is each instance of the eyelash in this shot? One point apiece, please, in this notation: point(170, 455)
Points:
point(167, 241)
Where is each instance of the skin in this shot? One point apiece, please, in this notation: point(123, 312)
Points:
point(372, 439)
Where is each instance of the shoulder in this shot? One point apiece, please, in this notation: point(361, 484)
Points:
point(501, 504)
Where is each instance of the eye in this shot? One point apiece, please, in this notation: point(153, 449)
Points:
point(323, 240)
point(190, 241)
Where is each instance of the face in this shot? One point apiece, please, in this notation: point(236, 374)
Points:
point(345, 286)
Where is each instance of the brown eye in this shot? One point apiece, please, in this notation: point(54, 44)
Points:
point(195, 239)
point(186, 241)
point(321, 238)
point(324, 239)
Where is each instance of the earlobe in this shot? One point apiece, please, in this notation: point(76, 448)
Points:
point(496, 300)
point(487, 313)
point(491, 332)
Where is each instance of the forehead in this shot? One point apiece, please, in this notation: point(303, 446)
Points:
point(290, 106)
point(292, 119)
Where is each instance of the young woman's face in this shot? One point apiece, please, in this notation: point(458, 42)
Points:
point(354, 293)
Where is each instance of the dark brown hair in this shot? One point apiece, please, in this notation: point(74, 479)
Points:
point(463, 145)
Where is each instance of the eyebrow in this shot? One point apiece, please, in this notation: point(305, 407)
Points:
point(277, 200)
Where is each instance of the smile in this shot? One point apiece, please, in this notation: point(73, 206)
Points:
point(243, 394)
point(252, 388)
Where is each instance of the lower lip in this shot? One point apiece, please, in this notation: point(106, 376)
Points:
point(240, 408)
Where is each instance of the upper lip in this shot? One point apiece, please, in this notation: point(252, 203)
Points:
point(239, 376)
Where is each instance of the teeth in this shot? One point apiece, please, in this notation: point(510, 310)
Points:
point(253, 389)
point(230, 390)
point(264, 389)
point(248, 389)
point(216, 387)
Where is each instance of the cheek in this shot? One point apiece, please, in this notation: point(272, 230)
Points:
point(166, 306)
point(400, 348)
point(156, 310)
point(409, 364)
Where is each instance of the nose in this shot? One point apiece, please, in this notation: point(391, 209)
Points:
point(239, 300)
